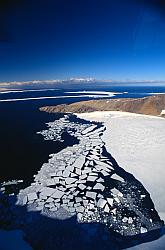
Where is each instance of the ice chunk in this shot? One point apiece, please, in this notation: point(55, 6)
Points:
point(101, 203)
point(100, 180)
point(104, 173)
point(32, 196)
point(103, 164)
point(24, 201)
point(73, 175)
point(85, 202)
point(79, 216)
point(87, 130)
point(70, 168)
point(79, 162)
point(86, 171)
point(99, 186)
point(130, 220)
point(50, 182)
point(66, 173)
point(82, 186)
point(114, 211)
point(78, 199)
point(57, 194)
point(80, 209)
point(143, 230)
point(117, 177)
point(84, 176)
point(78, 171)
point(116, 192)
point(50, 199)
point(56, 179)
point(59, 173)
point(70, 180)
point(86, 163)
point(91, 195)
point(92, 178)
point(125, 219)
point(110, 201)
point(106, 209)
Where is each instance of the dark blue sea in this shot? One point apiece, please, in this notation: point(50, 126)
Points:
point(22, 151)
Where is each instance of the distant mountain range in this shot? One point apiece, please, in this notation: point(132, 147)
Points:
point(152, 105)
point(79, 80)
point(39, 82)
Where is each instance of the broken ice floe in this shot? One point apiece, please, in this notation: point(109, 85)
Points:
point(84, 181)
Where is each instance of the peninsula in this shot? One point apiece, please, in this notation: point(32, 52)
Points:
point(151, 105)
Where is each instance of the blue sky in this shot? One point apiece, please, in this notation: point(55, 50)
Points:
point(105, 39)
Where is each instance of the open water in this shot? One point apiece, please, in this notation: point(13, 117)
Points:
point(22, 151)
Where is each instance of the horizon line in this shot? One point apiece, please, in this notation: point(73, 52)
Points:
point(81, 79)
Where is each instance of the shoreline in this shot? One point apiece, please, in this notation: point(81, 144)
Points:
point(63, 169)
point(101, 114)
point(85, 182)
point(136, 142)
point(150, 105)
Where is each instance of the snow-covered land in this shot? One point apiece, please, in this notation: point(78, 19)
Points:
point(137, 142)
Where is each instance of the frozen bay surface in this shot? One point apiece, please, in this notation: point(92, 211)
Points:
point(85, 182)
point(137, 142)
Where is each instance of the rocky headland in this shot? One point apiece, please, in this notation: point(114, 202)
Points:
point(151, 105)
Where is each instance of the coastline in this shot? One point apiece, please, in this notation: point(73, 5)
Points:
point(136, 142)
point(87, 173)
point(150, 105)
point(103, 114)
